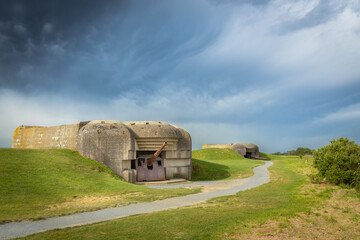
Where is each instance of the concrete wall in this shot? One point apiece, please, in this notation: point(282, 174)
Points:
point(63, 136)
point(108, 142)
point(216, 146)
point(239, 148)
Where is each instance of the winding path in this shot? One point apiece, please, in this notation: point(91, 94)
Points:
point(211, 190)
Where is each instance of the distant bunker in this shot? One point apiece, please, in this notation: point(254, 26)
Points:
point(119, 145)
point(248, 150)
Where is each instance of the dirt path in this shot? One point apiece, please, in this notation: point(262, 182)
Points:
point(210, 190)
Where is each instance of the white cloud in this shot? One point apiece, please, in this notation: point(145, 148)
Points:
point(201, 116)
point(178, 107)
point(250, 101)
point(323, 55)
point(351, 112)
point(225, 133)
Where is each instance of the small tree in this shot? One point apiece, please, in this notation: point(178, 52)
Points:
point(339, 162)
point(303, 151)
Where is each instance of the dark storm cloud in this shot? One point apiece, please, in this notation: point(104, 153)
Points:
point(38, 20)
point(97, 47)
point(39, 38)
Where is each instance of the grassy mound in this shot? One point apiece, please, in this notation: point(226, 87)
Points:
point(216, 154)
point(216, 164)
point(265, 155)
point(41, 183)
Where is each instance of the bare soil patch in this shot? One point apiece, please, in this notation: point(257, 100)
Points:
point(337, 217)
point(92, 201)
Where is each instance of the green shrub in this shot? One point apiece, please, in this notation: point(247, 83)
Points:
point(339, 162)
point(315, 178)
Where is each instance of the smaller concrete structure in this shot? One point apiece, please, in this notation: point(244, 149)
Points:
point(248, 150)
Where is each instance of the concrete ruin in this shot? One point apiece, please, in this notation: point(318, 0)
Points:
point(248, 150)
point(115, 144)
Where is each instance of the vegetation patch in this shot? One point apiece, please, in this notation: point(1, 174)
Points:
point(219, 218)
point(289, 207)
point(265, 155)
point(36, 184)
point(336, 217)
point(339, 163)
point(216, 164)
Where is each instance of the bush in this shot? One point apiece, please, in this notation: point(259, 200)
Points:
point(316, 178)
point(339, 162)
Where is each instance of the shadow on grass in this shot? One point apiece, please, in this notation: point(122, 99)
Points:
point(203, 170)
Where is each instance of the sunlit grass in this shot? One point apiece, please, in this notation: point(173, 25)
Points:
point(282, 197)
point(216, 164)
point(41, 183)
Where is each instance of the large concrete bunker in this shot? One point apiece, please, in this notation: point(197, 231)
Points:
point(116, 144)
point(248, 150)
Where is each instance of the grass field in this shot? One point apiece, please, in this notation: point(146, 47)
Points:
point(36, 184)
point(289, 207)
point(41, 183)
point(216, 164)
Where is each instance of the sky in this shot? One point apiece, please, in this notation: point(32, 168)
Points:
point(281, 74)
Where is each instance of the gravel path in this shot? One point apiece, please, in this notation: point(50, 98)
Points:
point(211, 190)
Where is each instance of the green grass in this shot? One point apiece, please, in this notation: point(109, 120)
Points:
point(216, 219)
point(288, 196)
point(41, 183)
point(216, 164)
point(265, 155)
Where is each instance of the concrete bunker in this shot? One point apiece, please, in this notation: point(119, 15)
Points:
point(116, 144)
point(248, 150)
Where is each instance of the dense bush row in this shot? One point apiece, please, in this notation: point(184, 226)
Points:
point(339, 163)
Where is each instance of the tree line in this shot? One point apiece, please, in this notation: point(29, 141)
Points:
point(299, 151)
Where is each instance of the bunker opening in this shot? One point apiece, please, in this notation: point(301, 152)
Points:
point(149, 153)
point(248, 155)
point(150, 165)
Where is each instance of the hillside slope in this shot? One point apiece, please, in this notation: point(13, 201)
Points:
point(41, 183)
point(216, 164)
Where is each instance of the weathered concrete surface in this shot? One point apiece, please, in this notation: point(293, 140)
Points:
point(63, 136)
point(109, 142)
point(115, 144)
point(217, 189)
point(252, 150)
point(248, 150)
